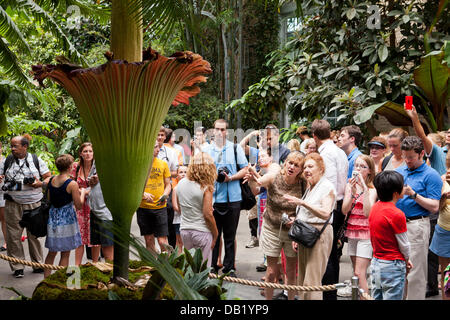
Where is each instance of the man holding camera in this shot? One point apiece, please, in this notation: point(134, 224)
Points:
point(227, 192)
point(22, 175)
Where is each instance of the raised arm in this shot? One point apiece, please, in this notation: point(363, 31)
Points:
point(427, 143)
point(244, 142)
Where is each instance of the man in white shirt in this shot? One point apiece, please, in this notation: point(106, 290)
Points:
point(22, 174)
point(169, 155)
point(336, 169)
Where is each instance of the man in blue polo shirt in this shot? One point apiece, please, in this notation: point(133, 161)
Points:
point(422, 191)
point(348, 140)
point(227, 192)
point(436, 157)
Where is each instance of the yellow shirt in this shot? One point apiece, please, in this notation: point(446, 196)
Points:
point(155, 183)
point(444, 213)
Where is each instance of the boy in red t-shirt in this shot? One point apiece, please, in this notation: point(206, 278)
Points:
point(387, 224)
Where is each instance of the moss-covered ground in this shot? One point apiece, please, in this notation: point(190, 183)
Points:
point(93, 285)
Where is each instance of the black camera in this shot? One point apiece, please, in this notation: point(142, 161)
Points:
point(12, 185)
point(221, 174)
point(29, 180)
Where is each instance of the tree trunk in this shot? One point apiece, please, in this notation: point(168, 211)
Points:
point(126, 32)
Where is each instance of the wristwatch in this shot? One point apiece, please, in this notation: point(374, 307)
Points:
point(414, 196)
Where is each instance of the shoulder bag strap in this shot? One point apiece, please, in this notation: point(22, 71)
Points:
point(325, 225)
point(386, 161)
point(350, 211)
point(46, 187)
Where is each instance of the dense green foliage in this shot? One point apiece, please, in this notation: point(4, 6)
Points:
point(336, 61)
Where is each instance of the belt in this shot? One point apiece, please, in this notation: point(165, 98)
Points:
point(415, 218)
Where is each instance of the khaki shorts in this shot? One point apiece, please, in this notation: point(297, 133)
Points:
point(272, 241)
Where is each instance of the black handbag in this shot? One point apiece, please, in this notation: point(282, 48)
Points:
point(248, 198)
point(36, 220)
point(304, 233)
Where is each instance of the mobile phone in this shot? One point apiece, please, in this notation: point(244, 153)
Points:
point(408, 102)
point(355, 175)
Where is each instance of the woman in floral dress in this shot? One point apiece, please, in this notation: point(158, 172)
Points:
point(80, 173)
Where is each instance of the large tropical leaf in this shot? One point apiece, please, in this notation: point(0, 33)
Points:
point(394, 113)
point(432, 77)
point(50, 24)
point(10, 64)
point(85, 7)
point(10, 32)
point(163, 16)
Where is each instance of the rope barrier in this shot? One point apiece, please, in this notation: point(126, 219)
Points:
point(260, 284)
point(275, 285)
point(35, 265)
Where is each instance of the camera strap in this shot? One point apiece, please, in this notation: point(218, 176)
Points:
point(219, 160)
point(10, 159)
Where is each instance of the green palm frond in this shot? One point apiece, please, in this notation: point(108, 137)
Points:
point(10, 31)
point(10, 64)
point(162, 16)
point(49, 24)
point(87, 9)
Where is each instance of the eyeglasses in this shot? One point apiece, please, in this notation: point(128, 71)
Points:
point(361, 166)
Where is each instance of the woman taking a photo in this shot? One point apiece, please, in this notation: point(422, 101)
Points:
point(274, 234)
point(314, 208)
point(193, 198)
point(360, 195)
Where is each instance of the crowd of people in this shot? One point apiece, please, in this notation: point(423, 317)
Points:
point(390, 206)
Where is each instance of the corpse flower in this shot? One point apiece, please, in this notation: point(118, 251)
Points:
point(123, 106)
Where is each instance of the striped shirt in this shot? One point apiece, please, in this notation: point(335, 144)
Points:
point(19, 170)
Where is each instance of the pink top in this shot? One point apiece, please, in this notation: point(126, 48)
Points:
point(358, 224)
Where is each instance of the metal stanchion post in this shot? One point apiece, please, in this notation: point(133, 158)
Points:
point(355, 288)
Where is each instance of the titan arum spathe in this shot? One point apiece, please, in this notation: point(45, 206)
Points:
point(123, 105)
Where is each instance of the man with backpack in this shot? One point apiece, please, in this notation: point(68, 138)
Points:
point(22, 174)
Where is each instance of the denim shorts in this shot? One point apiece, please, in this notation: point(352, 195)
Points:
point(388, 279)
point(101, 231)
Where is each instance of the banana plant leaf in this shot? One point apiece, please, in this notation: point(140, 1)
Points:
point(432, 77)
point(123, 105)
point(394, 113)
